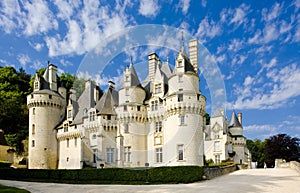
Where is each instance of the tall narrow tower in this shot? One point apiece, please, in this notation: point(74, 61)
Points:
point(46, 110)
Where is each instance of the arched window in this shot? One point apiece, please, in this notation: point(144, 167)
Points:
point(33, 111)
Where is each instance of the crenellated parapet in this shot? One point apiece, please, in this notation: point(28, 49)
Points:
point(185, 107)
point(69, 135)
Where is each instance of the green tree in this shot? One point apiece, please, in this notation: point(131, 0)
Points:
point(257, 148)
point(281, 146)
point(14, 87)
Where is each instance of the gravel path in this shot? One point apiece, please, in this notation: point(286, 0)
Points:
point(256, 180)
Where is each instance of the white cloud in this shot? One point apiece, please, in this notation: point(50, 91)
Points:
point(10, 17)
point(279, 87)
point(37, 46)
point(149, 8)
point(235, 45)
point(184, 4)
point(273, 13)
point(39, 18)
point(248, 81)
point(23, 59)
point(203, 3)
point(239, 15)
point(65, 62)
point(208, 29)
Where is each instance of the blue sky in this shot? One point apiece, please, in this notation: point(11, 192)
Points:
point(255, 45)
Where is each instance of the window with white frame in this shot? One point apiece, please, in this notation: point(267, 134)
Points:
point(126, 128)
point(127, 91)
point(217, 159)
point(157, 88)
point(180, 78)
point(180, 63)
point(69, 113)
point(109, 155)
point(217, 145)
point(66, 127)
point(182, 117)
point(92, 115)
point(127, 78)
point(127, 154)
point(156, 105)
point(180, 152)
point(33, 143)
point(159, 155)
point(180, 97)
point(217, 135)
point(152, 105)
point(158, 126)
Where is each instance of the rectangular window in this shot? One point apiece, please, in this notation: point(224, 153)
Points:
point(75, 141)
point(180, 152)
point(33, 143)
point(33, 129)
point(138, 108)
point(157, 88)
point(180, 97)
point(65, 127)
point(152, 105)
point(108, 117)
point(68, 142)
point(127, 154)
point(217, 136)
point(180, 78)
point(50, 96)
point(159, 155)
point(156, 105)
point(95, 152)
point(217, 159)
point(217, 145)
point(33, 111)
point(126, 78)
point(125, 107)
point(69, 113)
point(182, 120)
point(127, 92)
point(158, 126)
point(180, 64)
point(126, 128)
point(109, 155)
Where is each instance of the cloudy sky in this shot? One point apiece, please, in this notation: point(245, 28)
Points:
point(255, 45)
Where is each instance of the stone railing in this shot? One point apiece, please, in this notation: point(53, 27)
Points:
point(295, 165)
point(210, 173)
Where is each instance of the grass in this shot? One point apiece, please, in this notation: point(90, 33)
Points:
point(8, 189)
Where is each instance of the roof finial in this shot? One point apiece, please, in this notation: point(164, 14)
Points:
point(131, 61)
point(182, 39)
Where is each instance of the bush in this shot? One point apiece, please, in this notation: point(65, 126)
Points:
point(5, 164)
point(178, 174)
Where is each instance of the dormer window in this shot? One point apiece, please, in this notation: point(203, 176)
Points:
point(180, 64)
point(66, 127)
point(127, 92)
point(92, 116)
point(69, 113)
point(157, 88)
point(180, 78)
point(36, 85)
point(126, 78)
point(180, 97)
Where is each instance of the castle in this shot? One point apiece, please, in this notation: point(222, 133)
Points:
point(159, 122)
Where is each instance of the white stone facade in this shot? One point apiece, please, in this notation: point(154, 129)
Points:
point(159, 122)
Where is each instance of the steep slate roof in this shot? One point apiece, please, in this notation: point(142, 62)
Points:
point(166, 69)
point(234, 122)
point(105, 106)
point(134, 78)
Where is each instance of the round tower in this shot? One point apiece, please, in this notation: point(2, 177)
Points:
point(46, 106)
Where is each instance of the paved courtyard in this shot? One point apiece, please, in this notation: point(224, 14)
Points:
point(256, 180)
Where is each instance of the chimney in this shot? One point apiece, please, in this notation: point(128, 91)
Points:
point(152, 61)
point(193, 49)
point(240, 118)
point(111, 84)
point(52, 77)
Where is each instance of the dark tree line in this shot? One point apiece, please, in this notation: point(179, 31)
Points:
point(279, 146)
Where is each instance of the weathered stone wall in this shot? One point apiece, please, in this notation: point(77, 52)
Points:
point(211, 173)
point(295, 165)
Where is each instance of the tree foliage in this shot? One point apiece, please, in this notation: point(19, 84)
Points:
point(257, 148)
point(14, 87)
point(281, 146)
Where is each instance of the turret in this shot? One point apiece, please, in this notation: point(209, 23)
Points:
point(46, 110)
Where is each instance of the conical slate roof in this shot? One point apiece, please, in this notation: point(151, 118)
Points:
point(134, 79)
point(105, 105)
point(234, 122)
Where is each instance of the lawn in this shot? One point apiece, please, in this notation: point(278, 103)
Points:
point(11, 189)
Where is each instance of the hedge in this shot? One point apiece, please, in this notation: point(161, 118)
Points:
point(178, 174)
point(5, 164)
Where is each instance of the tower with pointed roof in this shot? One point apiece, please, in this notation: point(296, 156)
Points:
point(46, 105)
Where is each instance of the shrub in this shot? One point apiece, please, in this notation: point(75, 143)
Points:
point(5, 164)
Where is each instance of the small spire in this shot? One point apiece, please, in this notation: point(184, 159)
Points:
point(182, 40)
point(131, 64)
